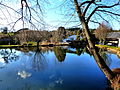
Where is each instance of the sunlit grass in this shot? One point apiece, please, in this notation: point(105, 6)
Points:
point(33, 43)
point(10, 45)
point(27, 44)
point(107, 46)
point(8, 34)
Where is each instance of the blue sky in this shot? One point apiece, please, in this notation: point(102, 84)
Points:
point(56, 10)
point(56, 13)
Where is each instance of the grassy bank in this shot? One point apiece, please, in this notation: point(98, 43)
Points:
point(14, 46)
point(107, 46)
point(112, 49)
point(9, 46)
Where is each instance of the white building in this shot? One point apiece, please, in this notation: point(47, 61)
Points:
point(114, 38)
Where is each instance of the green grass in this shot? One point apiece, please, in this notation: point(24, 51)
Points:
point(33, 43)
point(107, 46)
point(11, 34)
point(8, 46)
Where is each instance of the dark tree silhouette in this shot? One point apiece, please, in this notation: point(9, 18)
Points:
point(60, 53)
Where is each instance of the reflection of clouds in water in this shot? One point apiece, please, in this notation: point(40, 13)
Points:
point(23, 74)
point(2, 60)
point(115, 61)
point(55, 79)
point(59, 81)
point(56, 82)
point(8, 55)
point(2, 63)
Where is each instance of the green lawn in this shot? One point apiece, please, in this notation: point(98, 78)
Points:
point(107, 46)
point(27, 43)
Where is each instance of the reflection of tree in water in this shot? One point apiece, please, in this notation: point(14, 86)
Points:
point(79, 51)
point(8, 55)
point(112, 75)
point(60, 53)
point(25, 86)
point(39, 61)
point(106, 58)
point(103, 62)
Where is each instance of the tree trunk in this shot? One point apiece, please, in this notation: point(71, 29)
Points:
point(100, 61)
point(38, 43)
point(84, 24)
point(98, 58)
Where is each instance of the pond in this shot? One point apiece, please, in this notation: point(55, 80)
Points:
point(52, 68)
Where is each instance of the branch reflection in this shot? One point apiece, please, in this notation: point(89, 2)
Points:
point(112, 75)
point(39, 62)
point(8, 55)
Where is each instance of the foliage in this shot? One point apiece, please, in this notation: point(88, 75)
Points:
point(59, 35)
point(60, 53)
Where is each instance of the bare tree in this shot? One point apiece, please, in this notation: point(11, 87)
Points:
point(24, 13)
point(101, 32)
point(85, 16)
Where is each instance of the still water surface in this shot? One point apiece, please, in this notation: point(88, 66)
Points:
point(55, 68)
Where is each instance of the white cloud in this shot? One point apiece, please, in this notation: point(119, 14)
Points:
point(23, 74)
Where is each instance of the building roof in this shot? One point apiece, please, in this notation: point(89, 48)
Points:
point(113, 35)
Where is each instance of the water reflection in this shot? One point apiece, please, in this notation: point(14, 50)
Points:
point(39, 62)
point(105, 56)
point(23, 74)
point(112, 75)
point(39, 71)
point(60, 53)
point(8, 55)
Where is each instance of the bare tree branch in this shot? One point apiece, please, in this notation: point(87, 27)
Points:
point(88, 7)
point(116, 4)
point(109, 12)
point(86, 2)
point(102, 17)
point(95, 22)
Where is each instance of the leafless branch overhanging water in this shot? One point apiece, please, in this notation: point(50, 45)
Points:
point(84, 21)
point(25, 15)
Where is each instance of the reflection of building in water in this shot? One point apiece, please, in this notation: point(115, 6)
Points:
point(60, 53)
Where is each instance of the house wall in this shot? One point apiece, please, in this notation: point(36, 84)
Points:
point(118, 42)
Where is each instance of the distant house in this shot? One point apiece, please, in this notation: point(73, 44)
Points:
point(113, 38)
